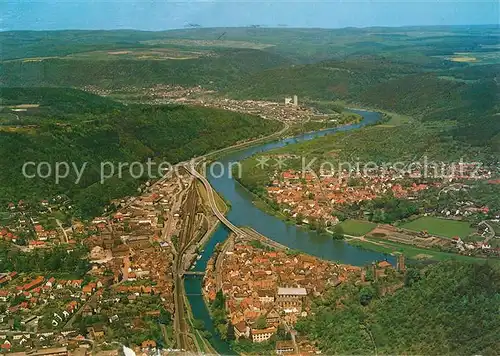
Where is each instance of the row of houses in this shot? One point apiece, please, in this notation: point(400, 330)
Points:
point(270, 285)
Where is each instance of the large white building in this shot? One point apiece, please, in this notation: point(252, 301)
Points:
point(291, 298)
point(261, 335)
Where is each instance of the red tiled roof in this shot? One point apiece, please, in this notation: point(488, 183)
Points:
point(384, 264)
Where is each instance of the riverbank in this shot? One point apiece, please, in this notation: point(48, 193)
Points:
point(238, 147)
point(214, 266)
point(264, 171)
point(324, 123)
point(255, 264)
point(357, 239)
point(244, 213)
point(201, 342)
point(264, 206)
point(415, 253)
point(259, 169)
point(388, 117)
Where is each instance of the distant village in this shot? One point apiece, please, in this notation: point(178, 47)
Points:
point(310, 195)
point(289, 110)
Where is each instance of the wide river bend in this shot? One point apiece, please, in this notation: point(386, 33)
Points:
point(244, 213)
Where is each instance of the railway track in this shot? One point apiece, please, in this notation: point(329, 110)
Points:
point(185, 238)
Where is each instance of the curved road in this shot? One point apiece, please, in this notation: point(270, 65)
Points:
point(210, 193)
point(211, 199)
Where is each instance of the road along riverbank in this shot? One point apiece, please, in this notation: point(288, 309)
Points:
point(244, 213)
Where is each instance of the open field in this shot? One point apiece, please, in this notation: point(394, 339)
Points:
point(7, 117)
point(28, 130)
point(413, 252)
point(495, 243)
point(357, 227)
point(463, 59)
point(409, 237)
point(209, 43)
point(396, 119)
point(24, 106)
point(496, 227)
point(140, 54)
point(475, 58)
point(127, 53)
point(440, 227)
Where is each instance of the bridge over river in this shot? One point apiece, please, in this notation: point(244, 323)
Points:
point(211, 199)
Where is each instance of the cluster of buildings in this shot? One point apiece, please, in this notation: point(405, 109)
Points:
point(158, 93)
point(74, 347)
point(34, 225)
point(6, 234)
point(465, 171)
point(464, 209)
point(288, 111)
point(42, 303)
point(314, 196)
point(135, 243)
point(490, 244)
point(131, 258)
point(65, 343)
point(267, 109)
point(166, 91)
point(270, 285)
point(42, 344)
point(52, 305)
point(464, 246)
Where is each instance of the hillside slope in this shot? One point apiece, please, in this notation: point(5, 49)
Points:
point(470, 104)
point(105, 131)
point(451, 310)
point(220, 69)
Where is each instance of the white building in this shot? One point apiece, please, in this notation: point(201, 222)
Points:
point(262, 334)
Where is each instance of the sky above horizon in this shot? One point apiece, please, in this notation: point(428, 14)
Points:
point(158, 15)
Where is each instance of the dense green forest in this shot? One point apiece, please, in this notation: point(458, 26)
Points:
point(450, 308)
point(386, 143)
point(96, 130)
point(56, 103)
point(451, 109)
point(413, 44)
point(381, 84)
point(58, 260)
point(28, 44)
point(220, 70)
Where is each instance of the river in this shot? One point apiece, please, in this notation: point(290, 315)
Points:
point(244, 213)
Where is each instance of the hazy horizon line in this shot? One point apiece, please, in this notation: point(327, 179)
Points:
point(256, 27)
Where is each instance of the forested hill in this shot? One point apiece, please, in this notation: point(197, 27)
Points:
point(451, 310)
point(72, 126)
point(218, 68)
point(464, 98)
point(445, 74)
point(55, 102)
